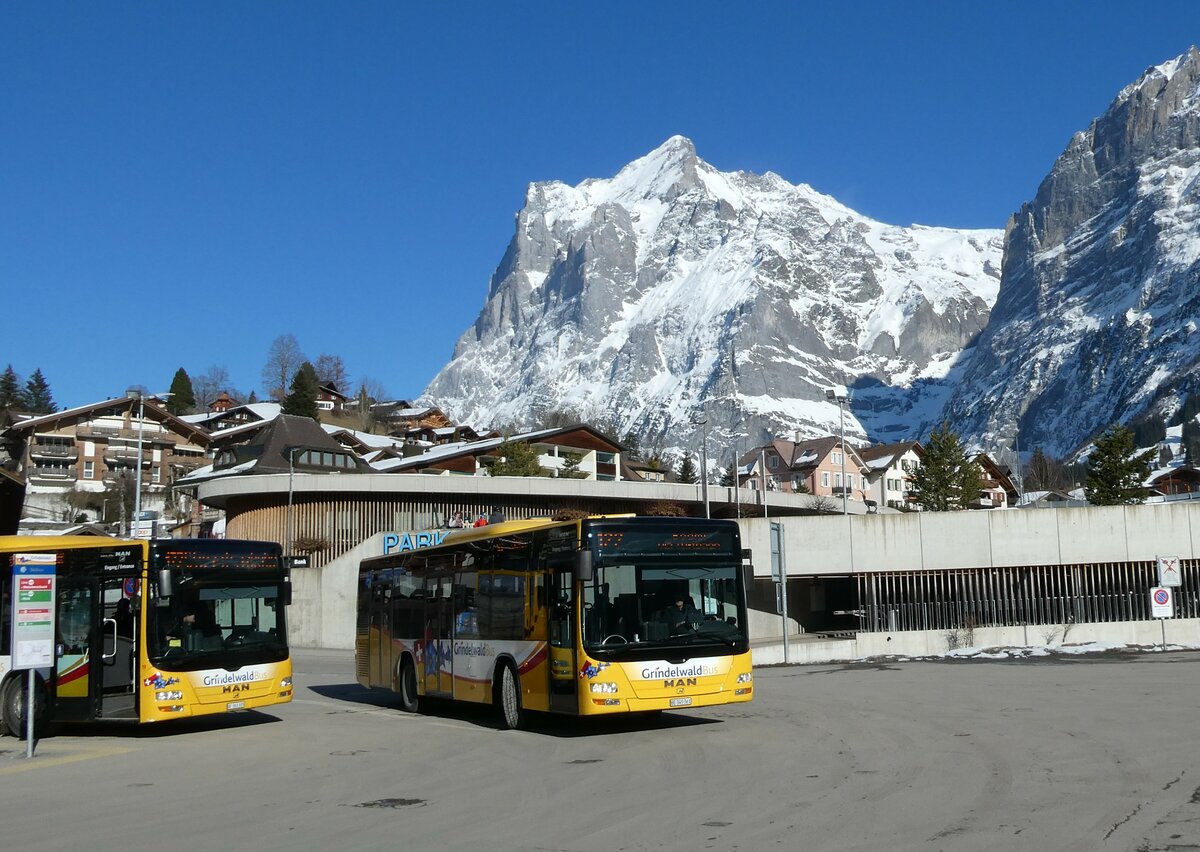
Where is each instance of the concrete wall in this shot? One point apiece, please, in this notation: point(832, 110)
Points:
point(931, 541)
point(323, 609)
point(917, 643)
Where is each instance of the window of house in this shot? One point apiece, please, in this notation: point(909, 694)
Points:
point(825, 478)
point(89, 470)
point(155, 474)
point(837, 457)
point(772, 462)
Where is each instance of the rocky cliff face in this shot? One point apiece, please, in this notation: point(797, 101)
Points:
point(674, 291)
point(1096, 319)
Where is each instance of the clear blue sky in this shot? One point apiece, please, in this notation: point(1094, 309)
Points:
point(180, 183)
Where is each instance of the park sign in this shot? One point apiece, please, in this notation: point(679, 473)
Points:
point(33, 579)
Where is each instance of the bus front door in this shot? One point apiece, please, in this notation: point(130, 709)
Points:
point(96, 670)
point(563, 667)
point(436, 650)
point(119, 619)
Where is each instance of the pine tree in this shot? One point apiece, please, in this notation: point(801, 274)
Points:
point(687, 470)
point(729, 476)
point(253, 398)
point(515, 458)
point(947, 479)
point(570, 467)
point(1116, 471)
point(1045, 473)
point(632, 442)
point(37, 398)
point(302, 399)
point(10, 389)
point(182, 399)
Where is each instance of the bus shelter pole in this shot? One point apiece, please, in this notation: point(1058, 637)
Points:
point(29, 715)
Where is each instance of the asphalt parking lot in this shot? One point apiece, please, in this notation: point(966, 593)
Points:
point(1079, 753)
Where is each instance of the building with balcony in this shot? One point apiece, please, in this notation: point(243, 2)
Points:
point(94, 449)
point(816, 466)
point(890, 469)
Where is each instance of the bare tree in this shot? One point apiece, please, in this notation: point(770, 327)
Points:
point(283, 359)
point(370, 391)
point(208, 386)
point(331, 369)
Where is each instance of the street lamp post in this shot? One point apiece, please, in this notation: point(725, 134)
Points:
point(833, 396)
point(140, 396)
point(137, 393)
point(287, 552)
point(702, 421)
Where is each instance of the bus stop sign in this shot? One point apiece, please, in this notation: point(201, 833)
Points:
point(33, 581)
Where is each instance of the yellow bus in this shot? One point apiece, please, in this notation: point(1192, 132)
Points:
point(151, 631)
point(583, 617)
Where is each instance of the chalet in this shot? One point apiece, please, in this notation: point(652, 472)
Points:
point(599, 457)
point(812, 467)
point(996, 488)
point(890, 469)
point(94, 448)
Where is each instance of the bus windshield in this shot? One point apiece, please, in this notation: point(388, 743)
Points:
point(637, 605)
point(214, 620)
point(227, 606)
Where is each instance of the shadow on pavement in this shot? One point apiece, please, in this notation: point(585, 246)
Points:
point(484, 716)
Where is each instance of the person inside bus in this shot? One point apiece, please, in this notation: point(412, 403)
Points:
point(124, 618)
point(680, 615)
point(196, 628)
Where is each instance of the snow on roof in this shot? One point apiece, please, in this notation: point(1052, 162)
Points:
point(368, 438)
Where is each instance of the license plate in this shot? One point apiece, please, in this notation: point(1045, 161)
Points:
point(236, 705)
point(680, 702)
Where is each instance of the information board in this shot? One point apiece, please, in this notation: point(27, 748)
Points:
point(33, 578)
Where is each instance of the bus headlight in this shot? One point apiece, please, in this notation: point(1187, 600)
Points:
point(173, 695)
point(604, 688)
point(285, 683)
point(745, 677)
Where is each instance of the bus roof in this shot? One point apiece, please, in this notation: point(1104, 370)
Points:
point(37, 543)
point(463, 535)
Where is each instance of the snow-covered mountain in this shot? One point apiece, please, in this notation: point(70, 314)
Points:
point(674, 291)
point(1098, 311)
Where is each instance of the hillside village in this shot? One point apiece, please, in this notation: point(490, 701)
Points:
point(73, 470)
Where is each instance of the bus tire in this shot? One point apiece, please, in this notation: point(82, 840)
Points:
point(14, 706)
point(406, 683)
point(508, 697)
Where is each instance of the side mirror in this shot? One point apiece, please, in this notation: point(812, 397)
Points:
point(166, 585)
point(285, 593)
point(583, 565)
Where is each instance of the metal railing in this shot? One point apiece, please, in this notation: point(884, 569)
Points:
point(1008, 597)
point(54, 450)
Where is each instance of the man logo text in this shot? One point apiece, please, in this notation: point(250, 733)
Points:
point(680, 681)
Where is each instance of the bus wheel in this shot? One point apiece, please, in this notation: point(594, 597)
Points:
point(409, 700)
point(508, 697)
point(15, 705)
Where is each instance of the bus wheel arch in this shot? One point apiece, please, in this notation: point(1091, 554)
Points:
point(13, 704)
point(406, 683)
point(506, 694)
